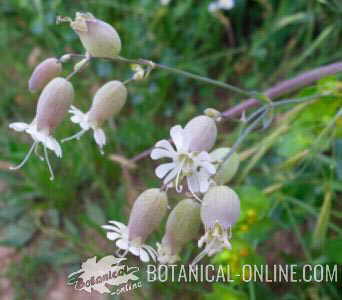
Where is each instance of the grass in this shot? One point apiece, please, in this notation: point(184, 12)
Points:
point(274, 40)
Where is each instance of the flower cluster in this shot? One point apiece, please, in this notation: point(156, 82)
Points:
point(99, 40)
point(197, 173)
point(192, 169)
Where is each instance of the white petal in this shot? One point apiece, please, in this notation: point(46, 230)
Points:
point(134, 250)
point(120, 225)
point(158, 153)
point(210, 168)
point(122, 244)
point(19, 126)
point(193, 183)
point(113, 236)
point(53, 145)
point(204, 156)
point(177, 135)
point(204, 181)
point(163, 169)
point(164, 144)
point(112, 228)
point(100, 137)
point(171, 175)
point(144, 256)
point(153, 253)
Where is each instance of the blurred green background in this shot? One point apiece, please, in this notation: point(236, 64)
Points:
point(289, 181)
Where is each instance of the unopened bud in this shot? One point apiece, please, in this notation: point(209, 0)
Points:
point(146, 214)
point(53, 103)
point(182, 226)
point(214, 114)
point(202, 132)
point(221, 205)
point(228, 169)
point(43, 73)
point(108, 101)
point(98, 38)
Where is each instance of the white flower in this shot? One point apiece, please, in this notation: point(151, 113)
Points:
point(195, 166)
point(220, 210)
point(107, 103)
point(221, 4)
point(165, 2)
point(119, 232)
point(38, 136)
point(81, 118)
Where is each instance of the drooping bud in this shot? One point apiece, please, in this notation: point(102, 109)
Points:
point(43, 73)
point(228, 169)
point(53, 103)
point(146, 214)
point(202, 132)
point(182, 226)
point(98, 38)
point(108, 101)
point(219, 211)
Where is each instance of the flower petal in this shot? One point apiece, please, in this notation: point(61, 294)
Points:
point(113, 236)
point(210, 168)
point(163, 169)
point(204, 180)
point(118, 224)
point(164, 144)
point(158, 153)
point(52, 144)
point(144, 256)
point(134, 250)
point(193, 183)
point(171, 175)
point(111, 228)
point(19, 126)
point(100, 137)
point(122, 244)
point(177, 135)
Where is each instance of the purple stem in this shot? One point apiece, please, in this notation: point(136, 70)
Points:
point(281, 88)
point(285, 87)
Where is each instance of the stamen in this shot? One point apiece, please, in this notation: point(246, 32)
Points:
point(205, 251)
point(26, 157)
point(52, 176)
point(75, 136)
point(178, 175)
point(36, 152)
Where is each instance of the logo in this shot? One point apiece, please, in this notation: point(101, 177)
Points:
point(102, 275)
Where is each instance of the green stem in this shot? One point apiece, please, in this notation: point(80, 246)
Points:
point(297, 232)
point(151, 64)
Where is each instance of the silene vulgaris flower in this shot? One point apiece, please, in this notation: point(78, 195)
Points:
point(190, 159)
point(220, 210)
point(146, 215)
point(221, 5)
point(108, 102)
point(53, 104)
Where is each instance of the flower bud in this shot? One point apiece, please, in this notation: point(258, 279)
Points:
point(43, 73)
point(99, 38)
point(146, 214)
point(229, 168)
point(53, 103)
point(202, 132)
point(108, 101)
point(221, 205)
point(182, 226)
